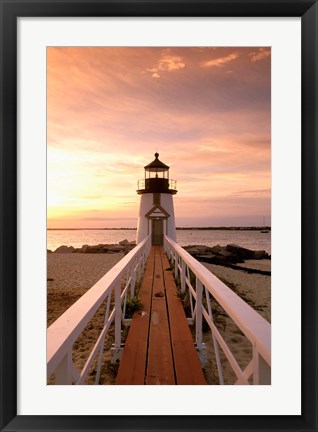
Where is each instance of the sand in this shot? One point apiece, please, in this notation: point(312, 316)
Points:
point(255, 289)
point(71, 275)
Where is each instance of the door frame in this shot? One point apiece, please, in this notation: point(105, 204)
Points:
point(153, 221)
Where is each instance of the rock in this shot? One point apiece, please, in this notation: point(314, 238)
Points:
point(203, 249)
point(124, 242)
point(230, 257)
point(124, 246)
point(197, 249)
point(215, 255)
point(116, 248)
point(64, 249)
point(94, 249)
point(106, 247)
point(216, 249)
point(224, 253)
point(261, 254)
point(77, 250)
point(206, 257)
point(240, 252)
point(125, 252)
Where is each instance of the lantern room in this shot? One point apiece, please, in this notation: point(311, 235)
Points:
point(157, 179)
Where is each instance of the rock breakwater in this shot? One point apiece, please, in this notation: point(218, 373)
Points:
point(228, 256)
point(123, 246)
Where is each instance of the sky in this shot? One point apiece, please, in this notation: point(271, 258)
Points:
point(205, 110)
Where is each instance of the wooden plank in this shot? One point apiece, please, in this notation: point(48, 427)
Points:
point(186, 362)
point(158, 282)
point(160, 368)
point(132, 367)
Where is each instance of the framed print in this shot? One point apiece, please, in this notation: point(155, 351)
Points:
point(42, 44)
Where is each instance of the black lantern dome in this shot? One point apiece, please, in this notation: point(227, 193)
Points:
point(156, 165)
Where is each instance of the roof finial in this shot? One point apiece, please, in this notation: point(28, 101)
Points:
point(156, 155)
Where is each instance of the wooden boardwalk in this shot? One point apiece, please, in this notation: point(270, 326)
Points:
point(159, 348)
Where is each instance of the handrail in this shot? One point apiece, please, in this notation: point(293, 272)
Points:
point(62, 334)
point(253, 325)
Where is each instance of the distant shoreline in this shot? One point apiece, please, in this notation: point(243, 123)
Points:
point(251, 228)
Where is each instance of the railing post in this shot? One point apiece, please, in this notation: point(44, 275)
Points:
point(176, 258)
point(143, 261)
point(132, 279)
point(63, 373)
point(261, 370)
point(167, 248)
point(198, 317)
point(215, 342)
point(128, 273)
point(183, 284)
point(118, 314)
point(116, 350)
point(138, 265)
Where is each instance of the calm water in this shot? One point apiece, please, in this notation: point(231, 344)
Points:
point(250, 239)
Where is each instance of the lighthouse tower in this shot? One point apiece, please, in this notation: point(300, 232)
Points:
point(156, 213)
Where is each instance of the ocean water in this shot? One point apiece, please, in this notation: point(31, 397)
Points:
point(254, 240)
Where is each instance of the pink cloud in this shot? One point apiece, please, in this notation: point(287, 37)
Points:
point(260, 54)
point(220, 61)
point(167, 63)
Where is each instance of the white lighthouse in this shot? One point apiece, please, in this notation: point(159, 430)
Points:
point(156, 213)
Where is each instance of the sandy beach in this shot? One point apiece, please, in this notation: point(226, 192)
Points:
point(71, 275)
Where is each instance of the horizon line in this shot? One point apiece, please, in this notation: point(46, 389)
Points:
point(256, 227)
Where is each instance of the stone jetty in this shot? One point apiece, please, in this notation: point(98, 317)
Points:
point(123, 246)
point(231, 254)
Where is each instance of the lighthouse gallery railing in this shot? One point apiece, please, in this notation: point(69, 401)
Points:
point(143, 184)
point(112, 290)
point(202, 291)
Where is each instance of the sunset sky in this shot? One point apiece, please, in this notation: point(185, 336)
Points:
point(205, 110)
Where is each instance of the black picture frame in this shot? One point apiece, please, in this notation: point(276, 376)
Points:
point(10, 11)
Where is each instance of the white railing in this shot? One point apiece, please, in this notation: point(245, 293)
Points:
point(208, 287)
point(112, 289)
